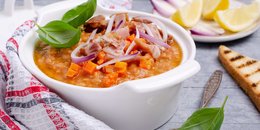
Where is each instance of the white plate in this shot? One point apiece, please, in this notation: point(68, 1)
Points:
point(228, 37)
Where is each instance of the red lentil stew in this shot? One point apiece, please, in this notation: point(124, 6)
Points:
point(111, 51)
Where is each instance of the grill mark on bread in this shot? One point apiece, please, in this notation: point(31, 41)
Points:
point(248, 63)
point(236, 58)
point(255, 84)
point(257, 71)
point(227, 51)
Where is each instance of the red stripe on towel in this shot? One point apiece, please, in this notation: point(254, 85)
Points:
point(8, 121)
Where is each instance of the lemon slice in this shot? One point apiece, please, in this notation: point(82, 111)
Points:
point(238, 19)
point(210, 7)
point(189, 15)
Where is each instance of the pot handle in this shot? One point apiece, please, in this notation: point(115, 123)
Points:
point(168, 79)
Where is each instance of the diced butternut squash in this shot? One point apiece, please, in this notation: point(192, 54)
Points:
point(146, 63)
point(71, 73)
point(74, 66)
point(89, 67)
point(131, 37)
point(73, 70)
point(101, 57)
point(121, 67)
point(108, 69)
point(110, 79)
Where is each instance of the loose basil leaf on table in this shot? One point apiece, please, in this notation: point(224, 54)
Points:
point(205, 119)
point(59, 34)
point(78, 15)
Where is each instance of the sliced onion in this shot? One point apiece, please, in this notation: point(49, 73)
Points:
point(177, 3)
point(148, 30)
point(83, 58)
point(163, 8)
point(74, 56)
point(154, 40)
point(207, 29)
point(202, 32)
point(118, 59)
point(119, 25)
point(158, 23)
point(110, 24)
point(132, 45)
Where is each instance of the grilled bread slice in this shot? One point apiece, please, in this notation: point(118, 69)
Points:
point(245, 70)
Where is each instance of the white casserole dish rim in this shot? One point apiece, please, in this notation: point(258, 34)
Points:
point(187, 68)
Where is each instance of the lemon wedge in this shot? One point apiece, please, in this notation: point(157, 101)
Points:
point(210, 7)
point(189, 15)
point(238, 19)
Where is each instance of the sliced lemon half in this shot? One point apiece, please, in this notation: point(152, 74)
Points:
point(238, 19)
point(210, 7)
point(189, 15)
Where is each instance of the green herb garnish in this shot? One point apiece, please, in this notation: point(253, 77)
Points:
point(78, 15)
point(66, 33)
point(59, 34)
point(205, 119)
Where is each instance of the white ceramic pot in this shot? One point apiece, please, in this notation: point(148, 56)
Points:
point(143, 104)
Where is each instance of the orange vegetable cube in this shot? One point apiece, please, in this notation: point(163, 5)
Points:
point(73, 70)
point(131, 37)
point(101, 55)
point(89, 67)
point(108, 69)
point(110, 79)
point(71, 73)
point(121, 67)
point(146, 63)
point(74, 66)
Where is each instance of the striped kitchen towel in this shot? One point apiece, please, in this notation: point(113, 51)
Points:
point(30, 102)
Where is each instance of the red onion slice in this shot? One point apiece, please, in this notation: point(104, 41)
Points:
point(83, 58)
point(74, 56)
point(119, 25)
point(118, 59)
point(158, 23)
point(130, 48)
point(154, 40)
point(177, 3)
point(110, 24)
point(162, 7)
point(207, 29)
point(148, 30)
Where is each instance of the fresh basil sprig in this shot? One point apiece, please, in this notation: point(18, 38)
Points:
point(205, 119)
point(78, 15)
point(66, 33)
point(59, 34)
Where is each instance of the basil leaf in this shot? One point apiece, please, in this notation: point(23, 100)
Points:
point(205, 119)
point(78, 15)
point(59, 34)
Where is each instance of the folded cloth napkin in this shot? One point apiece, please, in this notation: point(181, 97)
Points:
point(30, 102)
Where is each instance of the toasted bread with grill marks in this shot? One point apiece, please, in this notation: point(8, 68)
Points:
point(245, 70)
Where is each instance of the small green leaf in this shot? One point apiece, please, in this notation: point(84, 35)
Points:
point(205, 119)
point(59, 34)
point(78, 15)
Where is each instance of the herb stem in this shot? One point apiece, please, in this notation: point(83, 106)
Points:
point(224, 103)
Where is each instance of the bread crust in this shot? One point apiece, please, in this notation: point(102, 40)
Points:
point(240, 78)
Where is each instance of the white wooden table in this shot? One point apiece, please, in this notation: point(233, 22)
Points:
point(240, 113)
